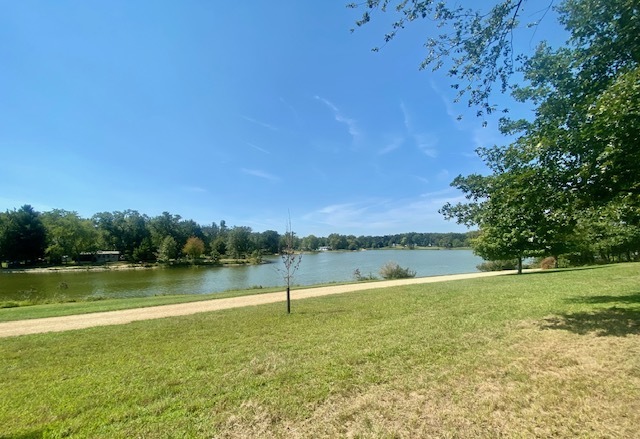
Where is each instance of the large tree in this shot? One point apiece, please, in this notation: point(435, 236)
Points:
point(581, 146)
point(124, 231)
point(22, 235)
point(239, 242)
point(68, 235)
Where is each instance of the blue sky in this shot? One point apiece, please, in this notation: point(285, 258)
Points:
point(242, 111)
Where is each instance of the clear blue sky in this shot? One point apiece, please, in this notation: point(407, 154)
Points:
point(242, 111)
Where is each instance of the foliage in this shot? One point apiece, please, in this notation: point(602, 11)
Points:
point(194, 248)
point(310, 243)
point(578, 157)
point(122, 231)
point(474, 46)
point(68, 235)
point(361, 278)
point(548, 263)
point(239, 242)
point(391, 270)
point(509, 264)
point(168, 249)
point(22, 235)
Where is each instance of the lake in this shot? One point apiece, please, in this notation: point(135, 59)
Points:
point(316, 268)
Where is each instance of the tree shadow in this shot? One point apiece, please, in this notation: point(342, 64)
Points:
point(614, 321)
point(563, 270)
point(28, 435)
point(628, 299)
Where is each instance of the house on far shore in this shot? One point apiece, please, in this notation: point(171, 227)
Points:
point(100, 257)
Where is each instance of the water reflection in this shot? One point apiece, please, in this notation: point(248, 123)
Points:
point(323, 267)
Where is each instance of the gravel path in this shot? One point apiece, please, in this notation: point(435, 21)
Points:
point(80, 321)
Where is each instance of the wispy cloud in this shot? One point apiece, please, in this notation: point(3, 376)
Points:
point(486, 137)
point(425, 142)
point(261, 174)
point(444, 175)
point(392, 146)
point(256, 147)
point(447, 102)
point(291, 108)
point(407, 119)
point(351, 124)
point(383, 216)
point(421, 179)
point(260, 123)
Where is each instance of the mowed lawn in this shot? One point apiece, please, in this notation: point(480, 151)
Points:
point(549, 354)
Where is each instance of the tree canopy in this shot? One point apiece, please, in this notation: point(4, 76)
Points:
point(579, 154)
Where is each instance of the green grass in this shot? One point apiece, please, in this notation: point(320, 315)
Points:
point(23, 311)
point(554, 354)
point(28, 311)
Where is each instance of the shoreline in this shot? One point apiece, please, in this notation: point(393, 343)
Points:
point(63, 269)
point(117, 267)
point(125, 316)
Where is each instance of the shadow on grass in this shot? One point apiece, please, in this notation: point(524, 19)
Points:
point(629, 299)
point(28, 435)
point(617, 322)
point(564, 270)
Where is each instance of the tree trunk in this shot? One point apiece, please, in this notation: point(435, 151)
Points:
point(288, 301)
point(519, 264)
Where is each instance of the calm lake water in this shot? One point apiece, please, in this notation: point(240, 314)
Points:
point(317, 268)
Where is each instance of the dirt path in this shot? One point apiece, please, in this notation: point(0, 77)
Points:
point(80, 321)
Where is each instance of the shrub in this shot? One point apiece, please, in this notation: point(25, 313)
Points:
point(548, 263)
point(510, 264)
point(391, 270)
point(360, 278)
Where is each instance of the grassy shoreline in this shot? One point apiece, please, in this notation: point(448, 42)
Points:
point(550, 354)
point(17, 311)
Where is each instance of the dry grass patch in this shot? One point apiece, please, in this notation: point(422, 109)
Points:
point(546, 383)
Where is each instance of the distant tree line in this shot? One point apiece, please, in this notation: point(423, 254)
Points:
point(27, 235)
point(59, 235)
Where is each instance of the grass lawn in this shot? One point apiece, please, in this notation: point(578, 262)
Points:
point(24, 312)
point(9, 313)
point(550, 354)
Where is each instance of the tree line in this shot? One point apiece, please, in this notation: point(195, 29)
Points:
point(27, 235)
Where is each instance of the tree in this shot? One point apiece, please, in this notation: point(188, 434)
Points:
point(122, 231)
point(518, 213)
point(219, 247)
point(68, 235)
point(194, 248)
point(168, 249)
point(311, 243)
point(290, 260)
point(474, 46)
point(337, 241)
point(166, 225)
point(269, 241)
point(582, 143)
point(239, 242)
point(23, 236)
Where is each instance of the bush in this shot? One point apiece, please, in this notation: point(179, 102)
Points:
point(360, 278)
point(392, 270)
point(548, 263)
point(510, 264)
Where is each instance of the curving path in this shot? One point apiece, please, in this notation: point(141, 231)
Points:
point(80, 321)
